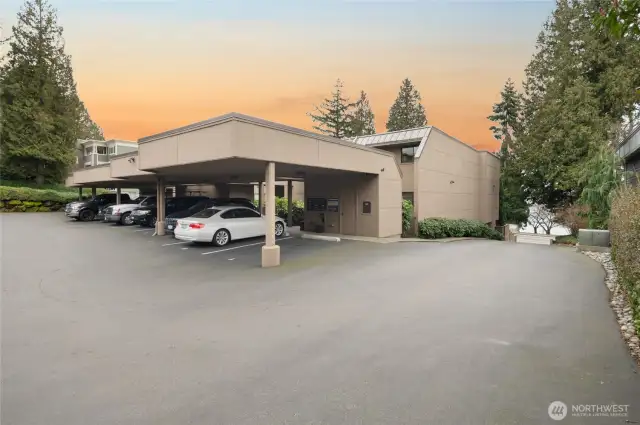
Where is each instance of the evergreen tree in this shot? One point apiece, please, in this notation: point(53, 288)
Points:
point(407, 111)
point(40, 110)
point(333, 114)
point(578, 86)
point(362, 118)
point(513, 199)
point(506, 114)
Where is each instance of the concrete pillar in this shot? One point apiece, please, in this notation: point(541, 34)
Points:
point(270, 251)
point(160, 207)
point(93, 192)
point(289, 203)
point(79, 194)
point(118, 195)
point(260, 198)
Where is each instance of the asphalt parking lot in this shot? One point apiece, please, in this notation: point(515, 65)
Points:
point(105, 325)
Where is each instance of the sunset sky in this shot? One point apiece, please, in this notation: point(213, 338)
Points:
point(146, 66)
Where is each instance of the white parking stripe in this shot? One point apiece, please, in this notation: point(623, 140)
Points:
point(145, 230)
point(176, 243)
point(241, 246)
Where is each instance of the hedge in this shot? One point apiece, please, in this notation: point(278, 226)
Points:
point(26, 199)
point(282, 208)
point(624, 225)
point(437, 228)
point(407, 216)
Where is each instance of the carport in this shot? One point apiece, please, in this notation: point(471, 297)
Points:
point(351, 189)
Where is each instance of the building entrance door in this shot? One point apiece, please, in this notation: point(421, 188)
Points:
point(348, 209)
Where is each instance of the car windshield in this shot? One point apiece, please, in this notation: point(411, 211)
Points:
point(148, 201)
point(209, 212)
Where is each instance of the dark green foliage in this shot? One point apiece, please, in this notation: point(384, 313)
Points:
point(621, 18)
point(438, 228)
point(513, 197)
point(41, 115)
point(601, 177)
point(297, 210)
point(16, 195)
point(624, 225)
point(362, 118)
point(407, 216)
point(579, 86)
point(332, 117)
point(407, 111)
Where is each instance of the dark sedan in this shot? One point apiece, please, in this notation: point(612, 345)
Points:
point(147, 216)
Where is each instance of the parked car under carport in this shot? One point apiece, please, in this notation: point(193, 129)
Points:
point(171, 220)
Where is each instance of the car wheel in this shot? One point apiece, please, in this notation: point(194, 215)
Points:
point(86, 215)
point(126, 219)
point(279, 229)
point(221, 238)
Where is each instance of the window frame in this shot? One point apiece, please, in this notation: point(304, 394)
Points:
point(105, 152)
point(412, 156)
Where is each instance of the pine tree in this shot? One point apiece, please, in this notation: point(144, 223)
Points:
point(506, 114)
point(407, 111)
point(333, 114)
point(40, 109)
point(362, 118)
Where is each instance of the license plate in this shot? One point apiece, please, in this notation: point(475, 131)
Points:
point(170, 227)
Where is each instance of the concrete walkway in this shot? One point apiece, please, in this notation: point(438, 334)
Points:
point(103, 326)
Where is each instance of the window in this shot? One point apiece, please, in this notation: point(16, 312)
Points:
point(407, 196)
point(112, 150)
point(102, 150)
point(88, 151)
point(247, 213)
point(206, 213)
point(408, 154)
point(280, 191)
point(229, 214)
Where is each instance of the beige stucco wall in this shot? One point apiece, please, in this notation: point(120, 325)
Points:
point(94, 174)
point(352, 190)
point(122, 167)
point(408, 184)
point(454, 180)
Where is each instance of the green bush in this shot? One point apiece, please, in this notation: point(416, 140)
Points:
point(407, 216)
point(624, 225)
point(12, 194)
point(282, 207)
point(437, 228)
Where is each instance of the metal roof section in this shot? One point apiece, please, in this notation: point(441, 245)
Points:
point(395, 137)
point(631, 144)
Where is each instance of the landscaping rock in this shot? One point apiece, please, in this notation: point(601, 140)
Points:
point(619, 302)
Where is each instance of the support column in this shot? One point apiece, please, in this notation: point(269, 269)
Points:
point(289, 203)
point(93, 192)
point(118, 195)
point(79, 194)
point(270, 251)
point(160, 207)
point(260, 198)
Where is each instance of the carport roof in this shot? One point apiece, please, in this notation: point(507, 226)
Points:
point(235, 116)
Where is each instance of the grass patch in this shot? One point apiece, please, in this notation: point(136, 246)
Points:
point(566, 240)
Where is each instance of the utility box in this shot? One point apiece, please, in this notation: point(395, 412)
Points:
point(593, 237)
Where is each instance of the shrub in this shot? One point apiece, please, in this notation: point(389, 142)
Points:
point(624, 225)
point(8, 193)
point(407, 216)
point(573, 217)
point(282, 207)
point(437, 228)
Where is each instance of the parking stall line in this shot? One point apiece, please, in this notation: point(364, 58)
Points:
point(176, 243)
point(144, 230)
point(241, 246)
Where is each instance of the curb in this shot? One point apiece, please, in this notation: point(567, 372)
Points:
point(321, 238)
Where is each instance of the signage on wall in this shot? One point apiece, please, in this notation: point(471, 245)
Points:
point(333, 205)
point(316, 204)
point(366, 207)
